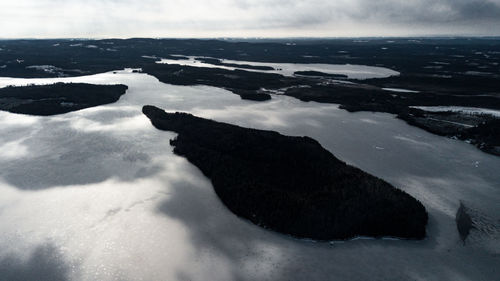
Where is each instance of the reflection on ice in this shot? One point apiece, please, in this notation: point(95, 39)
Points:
point(8, 119)
point(45, 263)
point(132, 123)
point(12, 150)
point(102, 187)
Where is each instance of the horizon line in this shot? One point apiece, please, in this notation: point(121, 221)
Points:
point(260, 37)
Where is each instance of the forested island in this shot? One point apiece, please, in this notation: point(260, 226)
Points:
point(215, 61)
point(290, 184)
point(57, 98)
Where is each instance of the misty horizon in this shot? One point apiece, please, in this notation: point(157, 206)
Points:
point(245, 19)
point(263, 38)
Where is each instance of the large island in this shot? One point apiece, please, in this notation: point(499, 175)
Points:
point(57, 98)
point(291, 184)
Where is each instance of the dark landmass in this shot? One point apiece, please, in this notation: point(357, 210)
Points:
point(486, 136)
point(366, 97)
point(57, 98)
point(439, 123)
point(244, 66)
point(415, 58)
point(246, 84)
point(482, 130)
point(464, 222)
point(445, 71)
point(320, 74)
point(291, 184)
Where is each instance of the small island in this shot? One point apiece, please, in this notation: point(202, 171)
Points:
point(290, 184)
point(59, 98)
point(320, 74)
point(215, 61)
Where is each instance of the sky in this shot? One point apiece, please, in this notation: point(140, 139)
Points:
point(246, 18)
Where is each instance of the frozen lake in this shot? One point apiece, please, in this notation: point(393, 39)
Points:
point(97, 194)
point(288, 69)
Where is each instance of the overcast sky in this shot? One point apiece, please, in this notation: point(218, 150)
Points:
point(247, 18)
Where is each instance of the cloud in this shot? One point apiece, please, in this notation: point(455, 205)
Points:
point(441, 11)
point(190, 18)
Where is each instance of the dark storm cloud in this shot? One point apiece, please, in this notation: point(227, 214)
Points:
point(478, 10)
point(298, 12)
point(440, 11)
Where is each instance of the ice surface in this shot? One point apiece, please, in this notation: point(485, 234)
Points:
point(97, 194)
